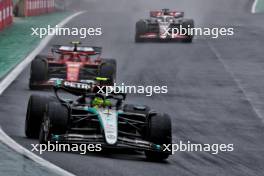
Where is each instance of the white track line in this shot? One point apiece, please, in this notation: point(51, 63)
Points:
point(8, 80)
point(240, 86)
point(253, 8)
point(24, 152)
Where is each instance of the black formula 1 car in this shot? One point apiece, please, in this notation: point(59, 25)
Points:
point(94, 118)
point(73, 63)
point(164, 25)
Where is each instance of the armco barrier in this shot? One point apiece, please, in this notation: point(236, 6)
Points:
point(38, 7)
point(6, 13)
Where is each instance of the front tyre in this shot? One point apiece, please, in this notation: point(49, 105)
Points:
point(159, 132)
point(108, 70)
point(38, 71)
point(55, 121)
point(35, 112)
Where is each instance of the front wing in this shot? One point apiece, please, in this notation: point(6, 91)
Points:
point(158, 37)
point(122, 142)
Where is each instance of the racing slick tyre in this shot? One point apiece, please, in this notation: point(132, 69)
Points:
point(159, 132)
point(110, 61)
point(55, 121)
point(141, 28)
point(38, 71)
point(108, 70)
point(35, 113)
point(136, 109)
point(188, 23)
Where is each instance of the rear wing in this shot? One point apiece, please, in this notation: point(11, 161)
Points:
point(164, 12)
point(91, 50)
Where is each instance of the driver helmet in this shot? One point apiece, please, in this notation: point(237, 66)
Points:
point(99, 102)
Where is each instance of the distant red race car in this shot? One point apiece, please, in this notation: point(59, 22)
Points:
point(164, 25)
point(71, 63)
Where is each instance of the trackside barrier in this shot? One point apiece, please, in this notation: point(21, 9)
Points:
point(38, 7)
point(1, 15)
point(9, 12)
point(6, 13)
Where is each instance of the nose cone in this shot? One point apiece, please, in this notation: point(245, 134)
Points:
point(163, 29)
point(109, 122)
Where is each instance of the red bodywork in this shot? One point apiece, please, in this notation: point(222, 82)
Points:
point(161, 13)
point(74, 61)
point(161, 35)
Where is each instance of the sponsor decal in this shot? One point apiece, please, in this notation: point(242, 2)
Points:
point(77, 85)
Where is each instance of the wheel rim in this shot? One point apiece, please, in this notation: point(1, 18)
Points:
point(45, 130)
point(28, 115)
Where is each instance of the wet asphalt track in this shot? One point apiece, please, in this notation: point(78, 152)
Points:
point(215, 88)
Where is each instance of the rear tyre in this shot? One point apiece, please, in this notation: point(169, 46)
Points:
point(159, 132)
point(141, 28)
point(188, 23)
point(111, 62)
point(38, 71)
point(35, 112)
point(55, 121)
point(108, 70)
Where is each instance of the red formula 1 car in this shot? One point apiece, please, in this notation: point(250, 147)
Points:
point(164, 25)
point(72, 63)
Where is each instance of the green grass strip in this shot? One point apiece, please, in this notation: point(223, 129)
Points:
point(260, 6)
point(16, 41)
